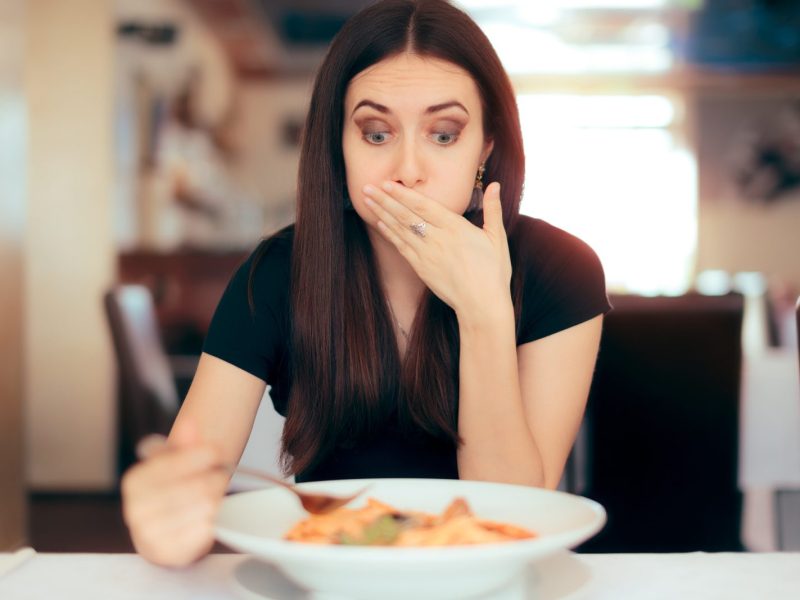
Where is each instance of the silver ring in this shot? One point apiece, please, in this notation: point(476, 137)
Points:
point(418, 228)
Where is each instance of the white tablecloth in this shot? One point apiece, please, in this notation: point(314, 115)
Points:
point(565, 576)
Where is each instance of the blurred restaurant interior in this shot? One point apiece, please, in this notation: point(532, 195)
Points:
point(146, 146)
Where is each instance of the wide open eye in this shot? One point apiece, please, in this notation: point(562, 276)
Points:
point(377, 138)
point(445, 138)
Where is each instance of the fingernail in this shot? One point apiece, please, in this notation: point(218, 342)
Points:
point(150, 445)
point(368, 189)
point(387, 185)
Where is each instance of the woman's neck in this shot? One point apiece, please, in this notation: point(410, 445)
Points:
point(401, 282)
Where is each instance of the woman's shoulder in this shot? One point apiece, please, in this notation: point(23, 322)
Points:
point(272, 255)
point(249, 327)
point(563, 278)
point(263, 277)
point(276, 247)
point(540, 244)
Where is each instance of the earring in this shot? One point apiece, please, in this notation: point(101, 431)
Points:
point(476, 202)
point(479, 177)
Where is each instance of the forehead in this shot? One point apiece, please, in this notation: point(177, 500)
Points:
point(409, 81)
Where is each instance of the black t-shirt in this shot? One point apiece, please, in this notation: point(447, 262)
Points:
point(564, 286)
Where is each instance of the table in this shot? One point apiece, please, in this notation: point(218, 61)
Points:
point(565, 576)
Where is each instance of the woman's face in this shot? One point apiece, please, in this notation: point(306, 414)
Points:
point(416, 121)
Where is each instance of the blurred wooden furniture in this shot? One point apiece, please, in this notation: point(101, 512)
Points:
point(148, 398)
point(186, 287)
point(660, 443)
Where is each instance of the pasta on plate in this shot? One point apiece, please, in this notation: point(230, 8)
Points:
point(379, 524)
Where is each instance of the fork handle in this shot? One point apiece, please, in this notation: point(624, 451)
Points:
point(150, 444)
point(256, 473)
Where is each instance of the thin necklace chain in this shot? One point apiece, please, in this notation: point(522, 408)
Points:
point(396, 320)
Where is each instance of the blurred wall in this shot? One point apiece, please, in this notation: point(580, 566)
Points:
point(146, 72)
point(736, 234)
point(69, 255)
point(12, 223)
point(268, 111)
point(750, 238)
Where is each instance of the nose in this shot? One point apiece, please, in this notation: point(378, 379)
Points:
point(409, 167)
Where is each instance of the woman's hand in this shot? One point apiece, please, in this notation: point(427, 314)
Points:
point(468, 267)
point(170, 500)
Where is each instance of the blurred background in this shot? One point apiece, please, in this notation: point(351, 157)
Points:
point(147, 145)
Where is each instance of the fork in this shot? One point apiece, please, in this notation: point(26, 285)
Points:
point(316, 504)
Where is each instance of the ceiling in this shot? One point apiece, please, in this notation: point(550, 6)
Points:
point(276, 38)
point(280, 38)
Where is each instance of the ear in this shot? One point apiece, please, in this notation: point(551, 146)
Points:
point(487, 150)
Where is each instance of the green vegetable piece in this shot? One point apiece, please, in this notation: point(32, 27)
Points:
point(381, 532)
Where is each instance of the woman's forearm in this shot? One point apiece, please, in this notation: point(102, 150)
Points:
point(498, 444)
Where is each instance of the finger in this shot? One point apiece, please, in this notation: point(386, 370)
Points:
point(180, 540)
point(400, 230)
point(171, 465)
point(416, 202)
point(150, 504)
point(197, 541)
point(403, 247)
point(150, 445)
point(168, 500)
point(196, 512)
point(493, 209)
point(391, 211)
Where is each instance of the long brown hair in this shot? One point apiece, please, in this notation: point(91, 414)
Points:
point(346, 372)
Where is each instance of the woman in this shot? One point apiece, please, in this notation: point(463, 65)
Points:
point(409, 324)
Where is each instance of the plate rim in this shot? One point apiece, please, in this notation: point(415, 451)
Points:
point(279, 548)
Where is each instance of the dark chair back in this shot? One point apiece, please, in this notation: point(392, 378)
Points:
point(661, 433)
point(148, 399)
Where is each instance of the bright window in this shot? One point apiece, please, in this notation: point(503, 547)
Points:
point(613, 171)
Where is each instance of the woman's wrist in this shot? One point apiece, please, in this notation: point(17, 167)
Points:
point(488, 314)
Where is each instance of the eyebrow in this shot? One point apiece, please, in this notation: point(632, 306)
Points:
point(430, 110)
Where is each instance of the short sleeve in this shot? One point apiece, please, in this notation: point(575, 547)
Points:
point(564, 281)
point(253, 337)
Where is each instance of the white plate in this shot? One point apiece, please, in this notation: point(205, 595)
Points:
point(254, 522)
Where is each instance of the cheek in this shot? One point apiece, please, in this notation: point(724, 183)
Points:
point(362, 166)
point(358, 175)
point(354, 169)
point(456, 188)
